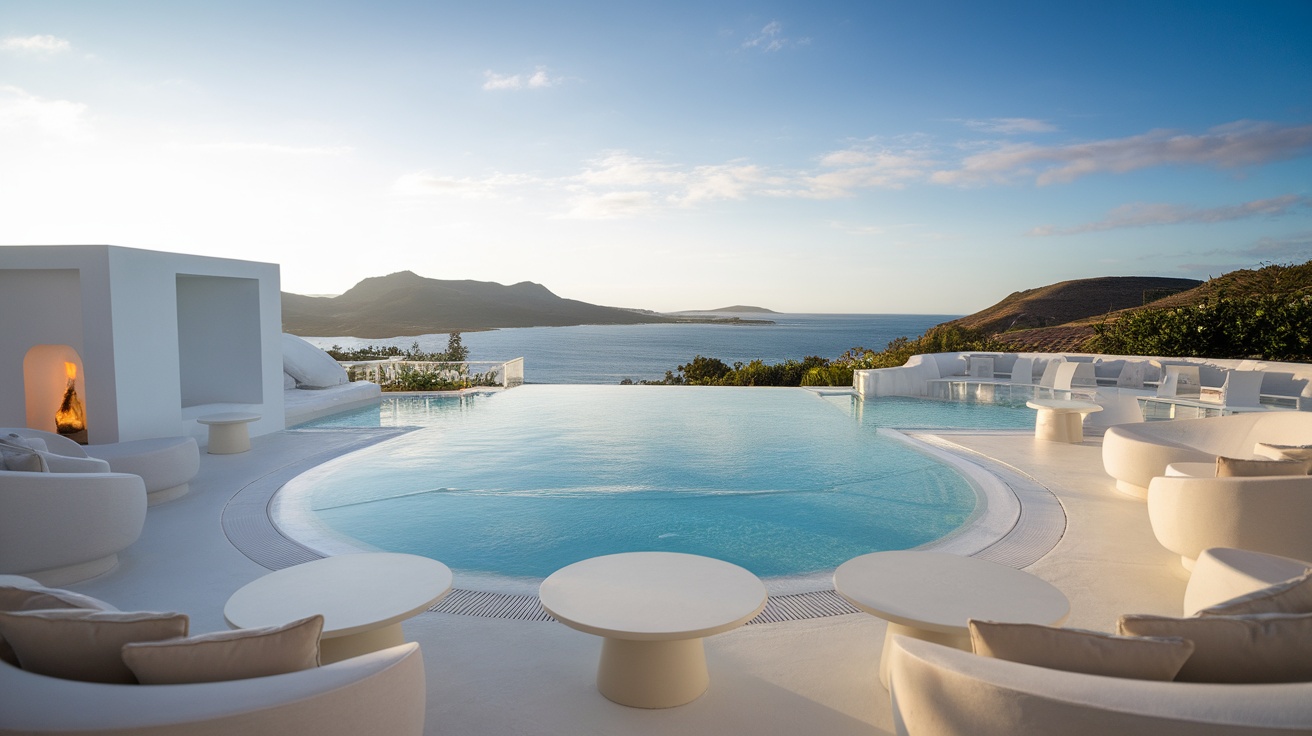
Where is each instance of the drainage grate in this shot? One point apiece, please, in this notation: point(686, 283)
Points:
point(794, 607)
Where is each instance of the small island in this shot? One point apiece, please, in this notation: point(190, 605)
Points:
point(739, 308)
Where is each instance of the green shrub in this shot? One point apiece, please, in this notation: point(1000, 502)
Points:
point(1267, 327)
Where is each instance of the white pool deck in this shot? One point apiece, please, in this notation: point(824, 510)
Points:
point(505, 677)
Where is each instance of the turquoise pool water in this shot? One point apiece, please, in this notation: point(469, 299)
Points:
point(519, 483)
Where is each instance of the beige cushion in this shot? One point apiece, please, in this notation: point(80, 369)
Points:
point(1290, 596)
point(1268, 647)
point(13, 598)
point(84, 645)
point(227, 655)
point(1077, 650)
point(1230, 467)
point(1283, 452)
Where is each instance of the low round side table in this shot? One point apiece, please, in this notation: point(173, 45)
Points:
point(653, 610)
point(932, 596)
point(1061, 420)
point(363, 599)
point(228, 432)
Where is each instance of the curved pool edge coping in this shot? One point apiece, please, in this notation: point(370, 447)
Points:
point(1020, 522)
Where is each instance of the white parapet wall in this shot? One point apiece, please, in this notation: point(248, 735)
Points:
point(161, 338)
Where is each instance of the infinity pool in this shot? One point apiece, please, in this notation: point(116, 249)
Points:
point(520, 483)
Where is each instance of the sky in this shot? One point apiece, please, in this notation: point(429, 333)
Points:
point(849, 157)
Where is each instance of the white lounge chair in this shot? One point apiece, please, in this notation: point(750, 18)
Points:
point(1134, 454)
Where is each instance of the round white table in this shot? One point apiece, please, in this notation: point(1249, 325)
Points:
point(228, 432)
point(932, 596)
point(1061, 420)
point(363, 599)
point(653, 609)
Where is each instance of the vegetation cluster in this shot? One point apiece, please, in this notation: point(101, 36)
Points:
point(817, 371)
point(1265, 327)
point(452, 375)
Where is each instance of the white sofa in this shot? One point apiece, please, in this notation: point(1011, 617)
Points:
point(1271, 514)
point(166, 465)
point(60, 528)
point(1134, 454)
point(941, 691)
point(378, 693)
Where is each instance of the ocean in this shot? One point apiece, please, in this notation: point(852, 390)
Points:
point(610, 353)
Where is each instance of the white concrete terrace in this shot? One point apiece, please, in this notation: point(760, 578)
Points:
point(500, 676)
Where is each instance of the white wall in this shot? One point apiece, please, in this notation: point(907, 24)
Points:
point(129, 341)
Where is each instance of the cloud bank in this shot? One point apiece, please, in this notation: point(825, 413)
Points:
point(34, 45)
point(1144, 215)
point(1230, 146)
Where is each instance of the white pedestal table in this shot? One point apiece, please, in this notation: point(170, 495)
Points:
point(653, 609)
point(932, 596)
point(228, 432)
point(1061, 420)
point(362, 597)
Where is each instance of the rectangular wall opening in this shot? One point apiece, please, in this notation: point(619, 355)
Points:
point(219, 351)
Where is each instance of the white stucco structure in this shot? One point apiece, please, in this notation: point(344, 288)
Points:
point(158, 338)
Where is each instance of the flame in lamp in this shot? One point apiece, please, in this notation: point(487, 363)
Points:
point(71, 420)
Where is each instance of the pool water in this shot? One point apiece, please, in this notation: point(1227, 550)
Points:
point(520, 483)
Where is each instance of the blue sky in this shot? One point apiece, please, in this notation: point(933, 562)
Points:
point(821, 157)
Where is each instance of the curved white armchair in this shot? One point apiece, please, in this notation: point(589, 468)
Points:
point(60, 528)
point(1271, 514)
point(1134, 454)
point(942, 691)
point(380, 692)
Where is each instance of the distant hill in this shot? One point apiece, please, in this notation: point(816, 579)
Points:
point(408, 304)
point(734, 308)
point(1068, 301)
point(1061, 317)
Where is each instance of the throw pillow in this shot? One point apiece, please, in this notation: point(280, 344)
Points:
point(82, 644)
point(1267, 647)
point(1290, 596)
point(16, 454)
point(1283, 452)
point(1230, 467)
point(32, 443)
point(13, 598)
point(227, 655)
point(1077, 650)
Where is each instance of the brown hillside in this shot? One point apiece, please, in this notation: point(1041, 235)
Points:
point(1072, 336)
point(1069, 301)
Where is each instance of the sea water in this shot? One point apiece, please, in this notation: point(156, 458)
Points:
point(611, 353)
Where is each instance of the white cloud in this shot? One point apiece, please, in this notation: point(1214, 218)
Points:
point(423, 183)
point(1293, 248)
point(1010, 126)
point(771, 38)
point(23, 112)
point(1229, 146)
point(538, 79)
point(621, 169)
point(864, 167)
point(724, 181)
point(44, 44)
point(612, 205)
point(1144, 214)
